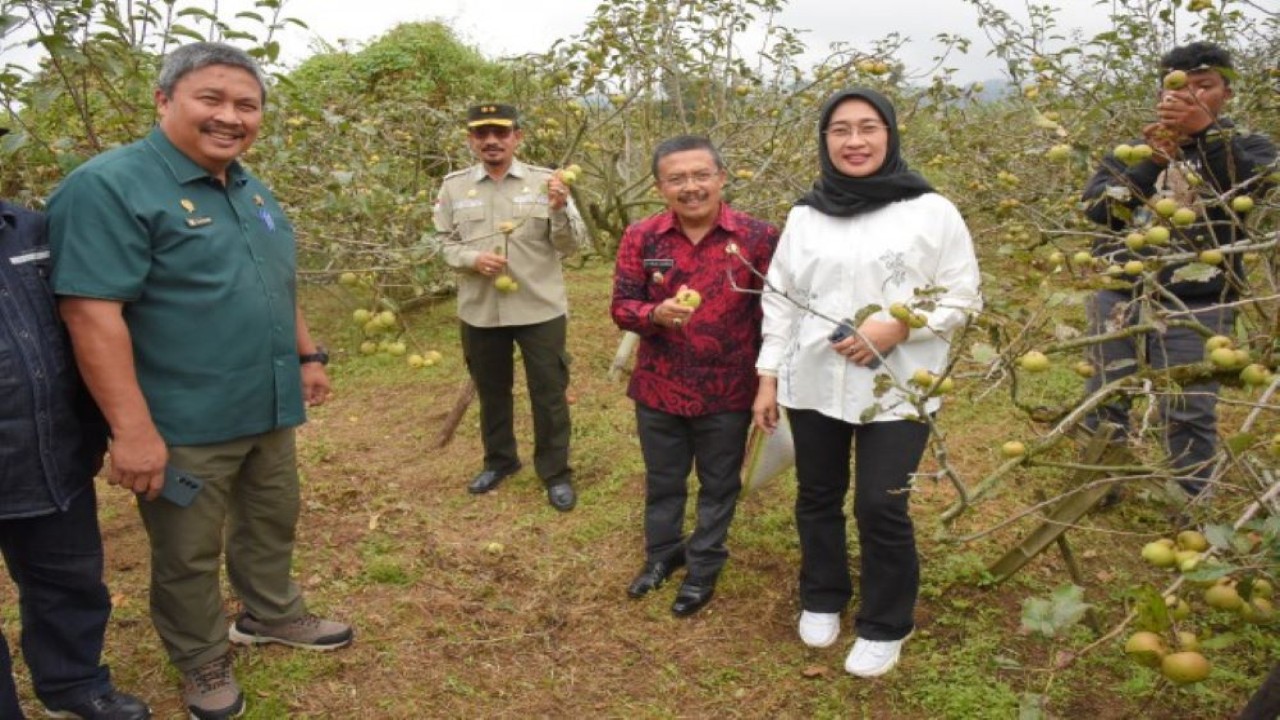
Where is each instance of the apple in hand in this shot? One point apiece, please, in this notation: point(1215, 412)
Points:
point(688, 297)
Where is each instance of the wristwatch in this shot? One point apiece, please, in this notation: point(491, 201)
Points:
point(319, 356)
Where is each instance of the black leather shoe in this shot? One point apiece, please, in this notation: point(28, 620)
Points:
point(653, 576)
point(562, 497)
point(692, 597)
point(489, 479)
point(109, 706)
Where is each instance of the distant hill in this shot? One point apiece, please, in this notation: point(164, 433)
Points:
point(994, 89)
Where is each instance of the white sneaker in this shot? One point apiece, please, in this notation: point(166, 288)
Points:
point(819, 630)
point(873, 658)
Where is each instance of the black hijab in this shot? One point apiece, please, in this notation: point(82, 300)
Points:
point(840, 195)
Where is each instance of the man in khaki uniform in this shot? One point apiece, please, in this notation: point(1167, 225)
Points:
point(505, 226)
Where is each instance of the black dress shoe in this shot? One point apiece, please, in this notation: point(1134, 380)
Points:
point(562, 497)
point(111, 705)
point(691, 597)
point(489, 479)
point(653, 576)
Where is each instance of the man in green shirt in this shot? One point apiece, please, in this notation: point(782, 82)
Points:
point(505, 226)
point(176, 274)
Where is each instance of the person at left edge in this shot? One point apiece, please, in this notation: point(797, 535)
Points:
point(695, 376)
point(471, 214)
point(176, 273)
point(51, 444)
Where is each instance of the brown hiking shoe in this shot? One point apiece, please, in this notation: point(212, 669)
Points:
point(210, 691)
point(307, 632)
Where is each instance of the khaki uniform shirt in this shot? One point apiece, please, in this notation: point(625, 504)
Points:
point(468, 213)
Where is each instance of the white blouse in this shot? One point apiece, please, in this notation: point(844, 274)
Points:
point(837, 266)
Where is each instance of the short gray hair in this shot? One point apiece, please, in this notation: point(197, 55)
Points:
point(196, 56)
point(683, 143)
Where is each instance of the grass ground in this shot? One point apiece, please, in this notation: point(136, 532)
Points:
point(451, 626)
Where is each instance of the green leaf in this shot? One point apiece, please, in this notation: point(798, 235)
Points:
point(1209, 573)
point(184, 31)
point(1196, 272)
point(1062, 610)
point(1153, 613)
point(983, 353)
point(1068, 606)
point(1241, 442)
point(1218, 642)
point(1219, 536)
point(1241, 544)
point(1037, 616)
point(196, 12)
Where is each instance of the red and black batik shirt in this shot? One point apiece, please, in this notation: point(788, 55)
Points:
point(708, 365)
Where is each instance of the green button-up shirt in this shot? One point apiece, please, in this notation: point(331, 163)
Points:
point(468, 213)
point(207, 275)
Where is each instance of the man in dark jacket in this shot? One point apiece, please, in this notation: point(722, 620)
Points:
point(51, 444)
point(1177, 199)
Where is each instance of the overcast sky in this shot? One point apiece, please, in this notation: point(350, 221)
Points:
point(508, 27)
point(512, 27)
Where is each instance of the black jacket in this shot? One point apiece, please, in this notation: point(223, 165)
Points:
point(1223, 156)
point(52, 437)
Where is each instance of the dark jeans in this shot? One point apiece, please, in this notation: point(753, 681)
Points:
point(56, 562)
point(490, 360)
point(1190, 417)
point(886, 454)
point(672, 445)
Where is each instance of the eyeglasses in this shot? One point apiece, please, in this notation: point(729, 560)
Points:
point(698, 178)
point(841, 133)
point(502, 132)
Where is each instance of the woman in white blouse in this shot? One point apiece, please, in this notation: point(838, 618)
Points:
point(870, 234)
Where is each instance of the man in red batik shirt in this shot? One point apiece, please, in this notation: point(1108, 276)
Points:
point(695, 377)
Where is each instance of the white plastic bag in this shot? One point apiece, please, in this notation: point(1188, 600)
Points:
point(768, 456)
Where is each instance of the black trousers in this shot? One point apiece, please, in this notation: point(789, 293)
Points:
point(672, 445)
point(886, 454)
point(490, 355)
point(56, 562)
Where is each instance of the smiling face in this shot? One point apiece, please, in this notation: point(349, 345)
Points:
point(494, 145)
point(213, 115)
point(857, 138)
point(691, 184)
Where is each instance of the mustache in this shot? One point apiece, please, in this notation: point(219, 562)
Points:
point(688, 195)
point(215, 126)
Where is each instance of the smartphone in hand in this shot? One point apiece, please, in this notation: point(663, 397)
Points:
point(845, 330)
point(180, 488)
